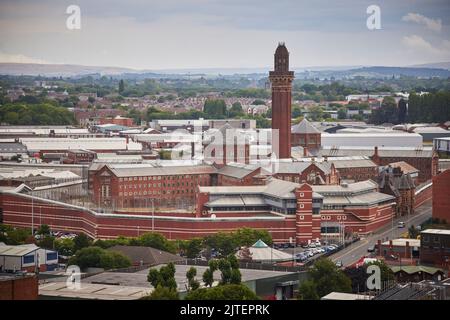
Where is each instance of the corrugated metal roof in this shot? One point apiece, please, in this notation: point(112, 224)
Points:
point(160, 171)
point(406, 152)
point(16, 251)
point(304, 127)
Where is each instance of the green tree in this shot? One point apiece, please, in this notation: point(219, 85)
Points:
point(386, 273)
point(65, 247)
point(308, 291)
point(258, 102)
point(208, 275)
point(316, 113)
point(81, 241)
point(162, 293)
point(387, 113)
point(164, 277)
point(44, 230)
point(225, 292)
point(342, 113)
point(215, 108)
point(95, 257)
point(235, 110)
point(413, 232)
point(327, 277)
point(193, 248)
point(192, 283)
point(121, 86)
point(157, 241)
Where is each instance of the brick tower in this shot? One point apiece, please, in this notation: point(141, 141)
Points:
point(281, 79)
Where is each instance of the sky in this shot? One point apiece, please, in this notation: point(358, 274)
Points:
point(174, 34)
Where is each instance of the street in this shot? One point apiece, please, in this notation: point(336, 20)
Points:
point(355, 251)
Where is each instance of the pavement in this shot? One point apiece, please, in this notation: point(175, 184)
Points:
point(355, 251)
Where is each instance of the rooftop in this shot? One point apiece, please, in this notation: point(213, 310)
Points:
point(436, 231)
point(402, 242)
point(304, 127)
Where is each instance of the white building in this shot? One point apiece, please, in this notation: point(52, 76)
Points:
point(371, 140)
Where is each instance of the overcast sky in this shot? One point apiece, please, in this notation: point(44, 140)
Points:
point(170, 34)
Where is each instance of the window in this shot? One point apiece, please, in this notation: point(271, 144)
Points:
point(52, 256)
point(28, 259)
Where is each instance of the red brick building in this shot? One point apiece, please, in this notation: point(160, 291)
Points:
point(118, 120)
point(281, 79)
point(273, 207)
point(441, 196)
point(18, 287)
point(313, 173)
point(235, 175)
point(393, 181)
point(355, 169)
point(435, 248)
point(126, 186)
point(425, 160)
point(304, 134)
point(77, 156)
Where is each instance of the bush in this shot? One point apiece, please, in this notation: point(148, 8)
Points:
point(95, 257)
point(163, 293)
point(224, 292)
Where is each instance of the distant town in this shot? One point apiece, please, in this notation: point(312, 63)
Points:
point(251, 185)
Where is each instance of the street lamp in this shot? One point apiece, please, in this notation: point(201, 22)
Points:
point(153, 214)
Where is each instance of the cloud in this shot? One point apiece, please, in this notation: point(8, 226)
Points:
point(19, 58)
point(420, 45)
point(432, 24)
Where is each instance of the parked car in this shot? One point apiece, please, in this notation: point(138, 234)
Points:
point(312, 245)
point(401, 224)
point(339, 264)
point(371, 249)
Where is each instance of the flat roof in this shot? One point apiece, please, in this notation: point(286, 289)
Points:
point(401, 242)
point(139, 279)
point(346, 296)
point(93, 291)
point(436, 231)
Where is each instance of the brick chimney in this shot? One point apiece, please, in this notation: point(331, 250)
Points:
point(305, 151)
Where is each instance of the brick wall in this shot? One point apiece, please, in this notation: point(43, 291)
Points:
point(441, 196)
point(19, 289)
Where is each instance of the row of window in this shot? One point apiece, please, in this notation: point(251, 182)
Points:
point(155, 192)
point(178, 177)
point(159, 185)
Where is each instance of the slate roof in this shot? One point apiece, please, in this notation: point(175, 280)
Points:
point(148, 255)
point(304, 127)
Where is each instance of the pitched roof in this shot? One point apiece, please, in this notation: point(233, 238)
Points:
point(402, 152)
point(404, 166)
point(148, 255)
point(148, 170)
point(16, 251)
point(238, 172)
point(300, 166)
point(304, 127)
point(416, 269)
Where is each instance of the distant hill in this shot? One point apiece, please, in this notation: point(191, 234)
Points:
point(439, 65)
point(56, 70)
point(67, 70)
point(397, 71)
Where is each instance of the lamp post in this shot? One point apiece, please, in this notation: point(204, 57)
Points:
point(32, 212)
point(153, 214)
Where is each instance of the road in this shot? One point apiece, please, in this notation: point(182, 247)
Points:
point(355, 251)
